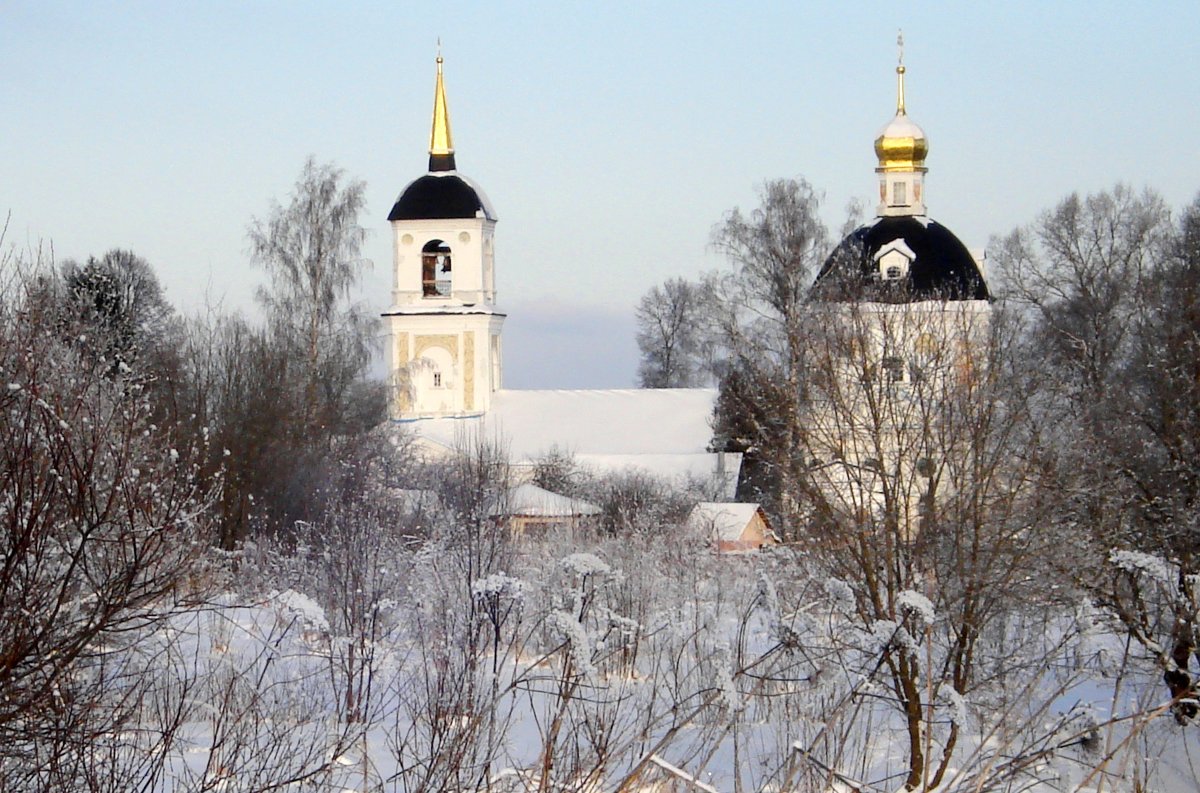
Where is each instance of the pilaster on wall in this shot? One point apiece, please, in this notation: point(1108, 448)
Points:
point(444, 364)
point(469, 370)
point(402, 402)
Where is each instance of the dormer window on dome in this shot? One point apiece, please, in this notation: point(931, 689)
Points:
point(900, 260)
point(893, 260)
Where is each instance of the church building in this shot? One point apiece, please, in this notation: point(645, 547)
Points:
point(444, 325)
point(901, 348)
point(900, 307)
point(445, 352)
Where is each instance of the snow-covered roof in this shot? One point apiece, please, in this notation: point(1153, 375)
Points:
point(531, 500)
point(699, 467)
point(663, 432)
point(901, 127)
point(726, 521)
point(436, 307)
point(617, 421)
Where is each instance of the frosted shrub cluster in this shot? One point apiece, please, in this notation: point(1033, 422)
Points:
point(1153, 567)
point(840, 593)
point(498, 585)
point(916, 605)
point(585, 564)
point(564, 625)
point(303, 607)
point(889, 634)
point(526, 687)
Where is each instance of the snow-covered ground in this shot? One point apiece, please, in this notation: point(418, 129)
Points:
point(631, 665)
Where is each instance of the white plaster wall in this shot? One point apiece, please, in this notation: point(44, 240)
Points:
point(858, 425)
point(409, 371)
point(473, 277)
point(914, 193)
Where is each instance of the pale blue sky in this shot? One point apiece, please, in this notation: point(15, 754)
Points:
point(609, 136)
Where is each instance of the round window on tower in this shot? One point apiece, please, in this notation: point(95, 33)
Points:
point(407, 239)
point(464, 236)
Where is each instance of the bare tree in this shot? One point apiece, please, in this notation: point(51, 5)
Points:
point(236, 388)
point(775, 252)
point(1113, 286)
point(103, 520)
point(311, 250)
point(1081, 268)
point(670, 335)
point(925, 499)
point(1149, 441)
point(280, 401)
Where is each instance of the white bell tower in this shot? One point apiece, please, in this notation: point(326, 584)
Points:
point(444, 327)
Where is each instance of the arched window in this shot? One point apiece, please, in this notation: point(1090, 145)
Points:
point(893, 369)
point(435, 269)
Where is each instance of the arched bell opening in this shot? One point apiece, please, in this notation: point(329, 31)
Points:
point(436, 270)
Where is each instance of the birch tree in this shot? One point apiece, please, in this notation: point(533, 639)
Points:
point(774, 251)
point(312, 252)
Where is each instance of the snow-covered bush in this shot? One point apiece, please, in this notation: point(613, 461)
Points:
point(103, 524)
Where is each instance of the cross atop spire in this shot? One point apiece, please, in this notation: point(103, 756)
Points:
point(900, 73)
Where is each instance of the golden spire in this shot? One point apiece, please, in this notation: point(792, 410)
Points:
point(440, 142)
point(900, 74)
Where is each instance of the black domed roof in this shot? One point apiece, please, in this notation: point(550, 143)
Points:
point(922, 260)
point(438, 195)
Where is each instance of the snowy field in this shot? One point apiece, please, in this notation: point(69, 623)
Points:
point(636, 665)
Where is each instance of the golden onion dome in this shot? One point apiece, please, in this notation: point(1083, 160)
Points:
point(901, 145)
